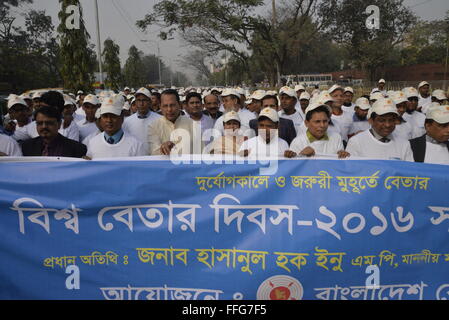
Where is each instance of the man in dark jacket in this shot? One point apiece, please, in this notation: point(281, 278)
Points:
point(286, 128)
point(50, 143)
point(433, 147)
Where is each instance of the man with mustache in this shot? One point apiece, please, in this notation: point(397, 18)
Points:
point(50, 143)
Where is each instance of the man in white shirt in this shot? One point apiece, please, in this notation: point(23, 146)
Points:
point(403, 129)
point(415, 118)
point(299, 89)
point(316, 140)
point(68, 128)
point(348, 96)
point(19, 114)
point(114, 142)
point(433, 147)
point(138, 123)
point(267, 143)
point(339, 116)
point(381, 87)
point(173, 132)
point(304, 101)
point(9, 147)
point(424, 98)
point(87, 125)
point(378, 142)
point(231, 102)
point(202, 123)
point(359, 119)
point(288, 100)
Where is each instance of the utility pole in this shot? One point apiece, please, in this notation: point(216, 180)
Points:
point(274, 21)
point(98, 42)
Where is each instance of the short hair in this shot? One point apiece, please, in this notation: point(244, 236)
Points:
point(375, 115)
point(271, 97)
point(213, 95)
point(191, 95)
point(266, 118)
point(50, 112)
point(53, 98)
point(156, 94)
point(171, 92)
point(317, 110)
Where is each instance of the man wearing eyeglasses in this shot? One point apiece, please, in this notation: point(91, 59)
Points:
point(50, 143)
point(137, 124)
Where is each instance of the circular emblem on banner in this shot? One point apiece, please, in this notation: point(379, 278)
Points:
point(280, 288)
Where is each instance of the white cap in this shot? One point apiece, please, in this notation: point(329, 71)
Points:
point(324, 97)
point(314, 106)
point(258, 95)
point(231, 115)
point(15, 99)
point(349, 89)
point(68, 101)
point(299, 87)
point(399, 97)
point(288, 91)
point(230, 92)
point(92, 99)
point(112, 105)
point(335, 87)
point(270, 113)
point(25, 96)
point(383, 106)
point(304, 96)
point(410, 92)
point(127, 88)
point(240, 91)
point(439, 94)
point(37, 94)
point(97, 114)
point(144, 91)
point(439, 114)
point(381, 81)
point(248, 102)
point(126, 106)
point(216, 89)
point(376, 96)
point(80, 92)
point(390, 93)
point(362, 103)
point(423, 83)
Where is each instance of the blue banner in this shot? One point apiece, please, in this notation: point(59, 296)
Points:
point(137, 230)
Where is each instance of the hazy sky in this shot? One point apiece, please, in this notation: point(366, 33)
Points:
point(118, 17)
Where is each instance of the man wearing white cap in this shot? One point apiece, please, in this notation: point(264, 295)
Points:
point(403, 129)
point(114, 141)
point(339, 116)
point(138, 124)
point(299, 89)
point(316, 140)
point(438, 96)
point(232, 139)
point(415, 118)
point(127, 91)
point(69, 128)
point(267, 143)
point(87, 125)
point(425, 99)
point(304, 101)
point(348, 96)
point(289, 99)
point(359, 119)
point(380, 87)
point(433, 147)
point(378, 142)
point(286, 129)
point(19, 114)
point(256, 101)
point(173, 132)
point(231, 102)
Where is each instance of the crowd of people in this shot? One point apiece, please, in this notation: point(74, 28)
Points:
point(409, 125)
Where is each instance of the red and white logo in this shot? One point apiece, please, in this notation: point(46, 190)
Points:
point(280, 288)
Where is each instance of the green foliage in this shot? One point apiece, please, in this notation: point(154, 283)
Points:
point(133, 70)
point(111, 65)
point(77, 63)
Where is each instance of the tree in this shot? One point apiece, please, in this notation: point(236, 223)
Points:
point(134, 68)
point(369, 48)
point(111, 64)
point(235, 27)
point(75, 59)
